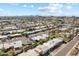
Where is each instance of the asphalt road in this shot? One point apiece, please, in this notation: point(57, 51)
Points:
point(67, 48)
point(77, 54)
point(57, 49)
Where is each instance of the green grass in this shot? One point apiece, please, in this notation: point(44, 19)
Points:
point(1, 52)
point(10, 52)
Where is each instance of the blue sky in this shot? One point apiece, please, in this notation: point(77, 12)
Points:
point(44, 9)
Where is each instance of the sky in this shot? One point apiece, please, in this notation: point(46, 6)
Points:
point(42, 9)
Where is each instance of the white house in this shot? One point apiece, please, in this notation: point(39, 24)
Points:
point(16, 44)
point(42, 49)
point(30, 52)
point(43, 36)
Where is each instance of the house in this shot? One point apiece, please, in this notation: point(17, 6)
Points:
point(16, 44)
point(24, 40)
point(1, 45)
point(42, 36)
point(45, 35)
point(7, 45)
point(42, 49)
point(30, 52)
point(36, 38)
point(64, 27)
point(15, 35)
point(3, 36)
point(10, 27)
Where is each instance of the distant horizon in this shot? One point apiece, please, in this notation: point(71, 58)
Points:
point(41, 9)
point(37, 15)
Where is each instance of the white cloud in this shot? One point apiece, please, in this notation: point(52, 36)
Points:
point(56, 8)
point(1, 9)
point(68, 7)
point(52, 8)
point(49, 9)
point(24, 5)
point(14, 4)
point(32, 6)
point(55, 5)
